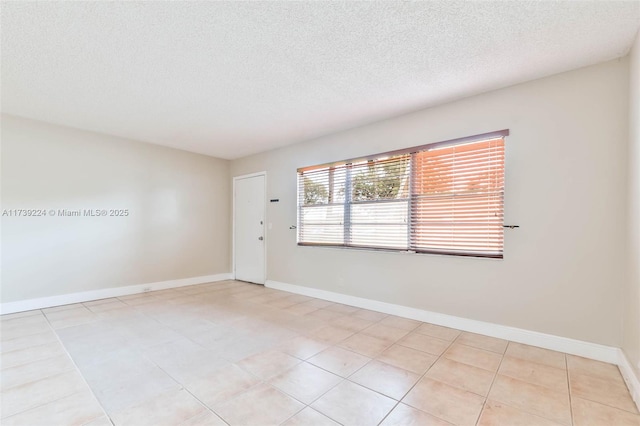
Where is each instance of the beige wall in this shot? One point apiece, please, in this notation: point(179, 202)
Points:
point(563, 270)
point(631, 343)
point(178, 225)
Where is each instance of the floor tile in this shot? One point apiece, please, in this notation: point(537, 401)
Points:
point(93, 348)
point(399, 322)
point(319, 303)
point(242, 346)
point(532, 372)
point(30, 341)
point(137, 299)
point(351, 323)
point(343, 309)
point(331, 335)
point(589, 367)
point(25, 326)
point(424, 343)
point(438, 331)
point(27, 355)
point(302, 347)
point(24, 314)
point(589, 413)
point(309, 417)
point(300, 309)
point(352, 404)
point(386, 379)
point(365, 345)
point(183, 359)
point(605, 391)
point(339, 361)
point(325, 314)
point(61, 308)
point(34, 394)
point(479, 341)
point(33, 371)
point(305, 382)
point(535, 354)
point(70, 317)
point(222, 385)
point(260, 405)
point(445, 402)
point(462, 376)
point(404, 415)
point(76, 409)
point(126, 391)
point(100, 421)
point(533, 399)
point(282, 303)
point(266, 365)
point(154, 335)
point(100, 302)
point(207, 418)
point(369, 315)
point(167, 409)
point(408, 359)
point(167, 356)
point(7, 323)
point(195, 327)
point(472, 356)
point(497, 414)
point(107, 305)
point(99, 327)
point(119, 364)
point(384, 332)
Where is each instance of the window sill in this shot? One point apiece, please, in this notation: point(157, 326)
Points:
point(400, 252)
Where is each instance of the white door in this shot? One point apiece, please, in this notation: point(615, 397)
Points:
point(249, 236)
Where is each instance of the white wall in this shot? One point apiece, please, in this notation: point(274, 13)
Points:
point(631, 343)
point(178, 223)
point(563, 270)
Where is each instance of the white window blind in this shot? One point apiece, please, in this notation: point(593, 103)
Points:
point(440, 198)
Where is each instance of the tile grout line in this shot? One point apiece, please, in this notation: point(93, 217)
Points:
point(54, 375)
point(29, 362)
point(343, 379)
point(566, 364)
point(399, 401)
point(529, 383)
point(183, 387)
point(495, 376)
point(425, 373)
point(591, 399)
point(78, 371)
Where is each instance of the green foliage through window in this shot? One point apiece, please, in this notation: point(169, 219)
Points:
point(380, 181)
point(314, 193)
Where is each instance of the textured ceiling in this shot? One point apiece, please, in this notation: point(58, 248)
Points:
point(232, 78)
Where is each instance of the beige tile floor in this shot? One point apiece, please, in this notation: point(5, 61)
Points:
point(241, 354)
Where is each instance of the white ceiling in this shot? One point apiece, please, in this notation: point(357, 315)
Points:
point(232, 78)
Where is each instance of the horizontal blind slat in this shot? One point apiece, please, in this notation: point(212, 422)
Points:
point(448, 199)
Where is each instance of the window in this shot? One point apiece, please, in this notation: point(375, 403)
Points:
point(442, 198)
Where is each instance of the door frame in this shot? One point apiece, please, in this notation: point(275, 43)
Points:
point(233, 220)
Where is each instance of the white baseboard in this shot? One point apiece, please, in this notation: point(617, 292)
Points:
point(562, 344)
point(630, 376)
point(104, 293)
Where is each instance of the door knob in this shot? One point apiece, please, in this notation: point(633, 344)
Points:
point(261, 238)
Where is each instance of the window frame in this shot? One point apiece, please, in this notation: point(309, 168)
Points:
point(347, 202)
